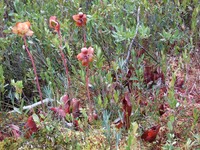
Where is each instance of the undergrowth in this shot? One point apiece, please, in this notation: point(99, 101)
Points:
point(135, 86)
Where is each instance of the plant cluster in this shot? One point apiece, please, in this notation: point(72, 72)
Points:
point(115, 75)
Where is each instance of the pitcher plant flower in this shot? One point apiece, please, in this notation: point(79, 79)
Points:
point(54, 24)
point(23, 29)
point(80, 19)
point(86, 56)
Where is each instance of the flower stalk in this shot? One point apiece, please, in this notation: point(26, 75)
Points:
point(86, 56)
point(34, 69)
point(88, 91)
point(54, 24)
point(23, 29)
point(64, 60)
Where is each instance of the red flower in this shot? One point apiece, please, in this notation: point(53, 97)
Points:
point(80, 19)
point(22, 29)
point(54, 24)
point(86, 56)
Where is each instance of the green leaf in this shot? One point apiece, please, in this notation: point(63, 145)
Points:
point(135, 128)
point(170, 126)
point(36, 119)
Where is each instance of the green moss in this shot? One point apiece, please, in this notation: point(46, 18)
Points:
point(10, 143)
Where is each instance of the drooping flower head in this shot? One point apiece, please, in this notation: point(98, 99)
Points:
point(54, 24)
point(86, 56)
point(22, 29)
point(80, 19)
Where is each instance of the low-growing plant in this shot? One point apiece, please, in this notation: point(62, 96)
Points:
point(139, 63)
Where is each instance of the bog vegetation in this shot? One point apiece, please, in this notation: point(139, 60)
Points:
point(100, 74)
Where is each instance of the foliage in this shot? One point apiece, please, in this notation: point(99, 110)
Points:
point(142, 65)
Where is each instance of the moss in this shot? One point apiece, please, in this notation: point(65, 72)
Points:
point(10, 143)
point(2, 144)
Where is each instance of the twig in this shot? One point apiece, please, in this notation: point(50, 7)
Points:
point(132, 41)
point(145, 51)
point(47, 100)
